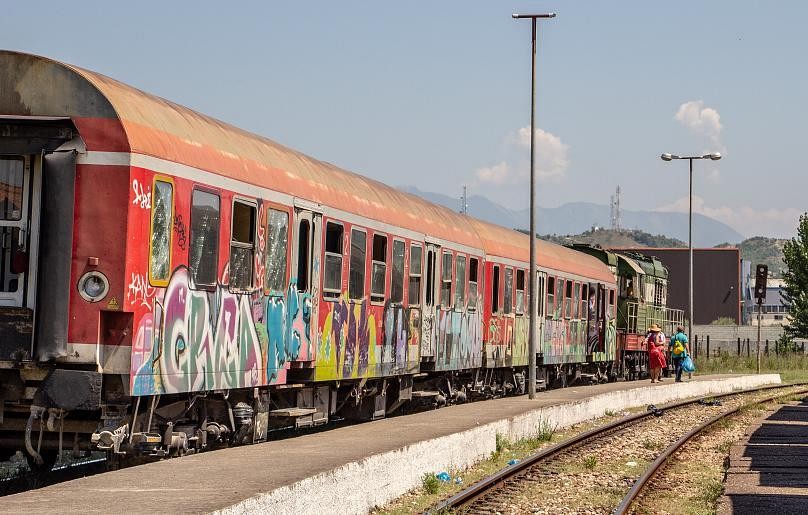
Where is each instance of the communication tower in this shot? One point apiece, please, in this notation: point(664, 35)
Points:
point(464, 202)
point(614, 211)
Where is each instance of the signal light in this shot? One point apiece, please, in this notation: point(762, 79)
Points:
point(761, 275)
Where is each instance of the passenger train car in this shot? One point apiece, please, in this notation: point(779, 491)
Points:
point(169, 282)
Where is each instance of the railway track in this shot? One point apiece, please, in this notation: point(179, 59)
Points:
point(550, 469)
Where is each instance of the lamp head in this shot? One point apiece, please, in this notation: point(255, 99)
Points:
point(715, 156)
point(666, 157)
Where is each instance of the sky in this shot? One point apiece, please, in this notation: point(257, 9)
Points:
point(437, 94)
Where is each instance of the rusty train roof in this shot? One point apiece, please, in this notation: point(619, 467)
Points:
point(112, 116)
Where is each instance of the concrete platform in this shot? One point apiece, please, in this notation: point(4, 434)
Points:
point(768, 469)
point(350, 469)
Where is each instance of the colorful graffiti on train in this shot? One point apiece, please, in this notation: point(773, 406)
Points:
point(507, 341)
point(458, 339)
point(363, 340)
point(210, 340)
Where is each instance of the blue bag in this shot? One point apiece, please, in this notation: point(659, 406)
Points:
point(688, 365)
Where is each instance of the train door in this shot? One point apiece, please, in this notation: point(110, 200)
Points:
point(431, 292)
point(305, 282)
point(19, 176)
point(541, 308)
point(15, 184)
point(595, 318)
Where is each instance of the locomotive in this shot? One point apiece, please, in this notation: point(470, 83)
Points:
point(170, 283)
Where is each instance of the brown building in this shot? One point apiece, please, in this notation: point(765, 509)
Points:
point(716, 281)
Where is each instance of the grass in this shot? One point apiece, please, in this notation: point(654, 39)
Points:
point(710, 492)
point(793, 368)
point(590, 462)
point(650, 445)
point(430, 483)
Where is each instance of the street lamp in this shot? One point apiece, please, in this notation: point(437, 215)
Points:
point(715, 156)
point(531, 335)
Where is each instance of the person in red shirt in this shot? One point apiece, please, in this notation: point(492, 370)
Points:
point(655, 341)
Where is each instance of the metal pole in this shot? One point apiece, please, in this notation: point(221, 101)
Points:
point(758, 342)
point(690, 246)
point(531, 349)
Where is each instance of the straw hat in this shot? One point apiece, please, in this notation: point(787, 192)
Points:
point(655, 328)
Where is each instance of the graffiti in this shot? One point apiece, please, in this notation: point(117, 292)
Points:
point(459, 340)
point(348, 341)
point(260, 263)
point(179, 231)
point(142, 195)
point(201, 341)
point(139, 291)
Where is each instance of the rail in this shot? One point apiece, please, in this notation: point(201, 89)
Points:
point(669, 451)
point(494, 481)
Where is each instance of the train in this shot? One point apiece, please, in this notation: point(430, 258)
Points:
point(170, 283)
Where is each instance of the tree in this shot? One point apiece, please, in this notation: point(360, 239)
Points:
point(795, 281)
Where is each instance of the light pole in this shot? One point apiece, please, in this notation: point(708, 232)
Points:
point(531, 335)
point(715, 156)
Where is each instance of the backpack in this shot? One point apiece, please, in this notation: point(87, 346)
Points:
point(678, 347)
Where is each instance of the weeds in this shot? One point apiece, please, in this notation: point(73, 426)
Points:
point(725, 446)
point(590, 462)
point(546, 431)
point(650, 445)
point(502, 443)
point(791, 367)
point(431, 483)
point(609, 413)
point(711, 491)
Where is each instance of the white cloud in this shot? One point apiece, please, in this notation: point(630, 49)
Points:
point(746, 220)
point(703, 121)
point(497, 174)
point(552, 160)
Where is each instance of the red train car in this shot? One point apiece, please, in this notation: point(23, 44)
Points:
point(170, 282)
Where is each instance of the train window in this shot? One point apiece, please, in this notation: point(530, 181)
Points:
point(332, 261)
point(584, 300)
point(397, 277)
point(520, 291)
point(416, 264)
point(568, 300)
point(12, 173)
point(559, 310)
point(550, 294)
point(508, 300)
point(356, 278)
point(430, 277)
point(460, 283)
point(277, 245)
point(473, 272)
point(540, 304)
point(303, 251)
point(446, 280)
point(162, 218)
point(378, 273)
point(495, 291)
point(576, 297)
point(203, 259)
point(242, 246)
point(611, 303)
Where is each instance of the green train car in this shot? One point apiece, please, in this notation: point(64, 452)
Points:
point(642, 296)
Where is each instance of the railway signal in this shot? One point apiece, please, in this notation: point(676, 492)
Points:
point(761, 275)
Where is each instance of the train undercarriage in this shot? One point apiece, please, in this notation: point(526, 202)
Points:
point(81, 411)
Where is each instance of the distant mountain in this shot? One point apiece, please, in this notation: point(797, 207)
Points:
point(579, 217)
point(761, 250)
